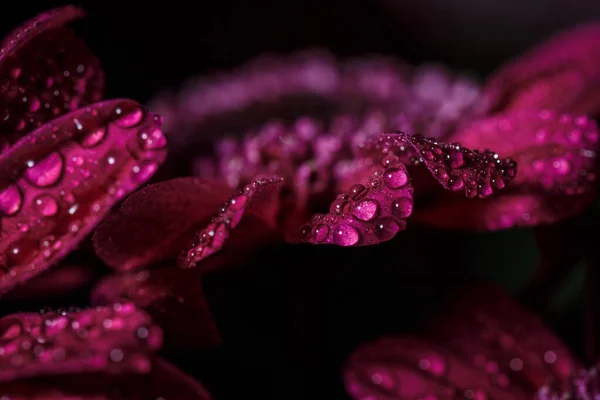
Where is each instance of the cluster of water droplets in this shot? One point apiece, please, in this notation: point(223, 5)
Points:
point(584, 385)
point(212, 238)
point(64, 177)
point(109, 339)
point(45, 71)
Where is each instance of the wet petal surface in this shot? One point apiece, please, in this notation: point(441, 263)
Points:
point(561, 74)
point(60, 180)
point(45, 71)
point(376, 210)
point(114, 339)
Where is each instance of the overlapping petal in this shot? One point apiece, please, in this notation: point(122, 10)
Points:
point(562, 74)
point(376, 210)
point(59, 181)
point(45, 71)
point(556, 154)
point(483, 346)
point(173, 297)
point(100, 353)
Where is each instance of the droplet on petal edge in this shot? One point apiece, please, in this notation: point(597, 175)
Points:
point(54, 189)
point(376, 210)
point(45, 72)
point(102, 339)
point(212, 238)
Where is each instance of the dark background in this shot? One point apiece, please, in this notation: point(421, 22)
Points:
point(292, 316)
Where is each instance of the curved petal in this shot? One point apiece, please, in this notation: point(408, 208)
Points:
point(163, 381)
point(561, 74)
point(259, 199)
point(162, 217)
point(45, 71)
point(113, 339)
point(376, 211)
point(483, 345)
point(173, 297)
point(556, 155)
point(408, 368)
point(485, 325)
point(60, 180)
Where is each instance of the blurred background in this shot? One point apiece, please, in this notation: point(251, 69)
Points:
point(290, 343)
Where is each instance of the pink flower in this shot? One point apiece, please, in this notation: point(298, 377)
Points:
point(483, 345)
point(66, 158)
point(101, 353)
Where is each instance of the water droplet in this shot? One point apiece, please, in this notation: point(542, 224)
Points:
point(395, 178)
point(561, 166)
point(10, 200)
point(93, 138)
point(386, 228)
point(153, 140)
point(320, 233)
point(345, 235)
point(357, 192)
point(46, 205)
point(402, 207)
point(47, 171)
point(21, 252)
point(144, 170)
point(365, 210)
point(455, 159)
point(131, 119)
point(337, 206)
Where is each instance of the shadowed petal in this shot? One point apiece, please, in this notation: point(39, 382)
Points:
point(376, 210)
point(173, 297)
point(483, 345)
point(556, 155)
point(45, 71)
point(561, 74)
point(408, 368)
point(111, 339)
point(259, 199)
point(162, 217)
point(59, 181)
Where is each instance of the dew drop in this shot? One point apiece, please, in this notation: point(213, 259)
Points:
point(144, 170)
point(320, 232)
point(561, 166)
point(365, 210)
point(130, 120)
point(153, 140)
point(357, 192)
point(47, 171)
point(402, 207)
point(395, 178)
point(455, 159)
point(10, 200)
point(345, 235)
point(386, 228)
point(337, 206)
point(46, 205)
point(93, 138)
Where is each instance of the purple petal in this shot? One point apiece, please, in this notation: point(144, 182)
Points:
point(562, 73)
point(376, 210)
point(112, 339)
point(162, 217)
point(173, 297)
point(59, 181)
point(45, 71)
point(556, 155)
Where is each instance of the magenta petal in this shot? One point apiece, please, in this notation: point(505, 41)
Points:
point(60, 180)
point(407, 368)
point(173, 297)
point(556, 155)
point(111, 339)
point(162, 217)
point(562, 74)
point(376, 211)
point(259, 199)
point(45, 71)
point(485, 325)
